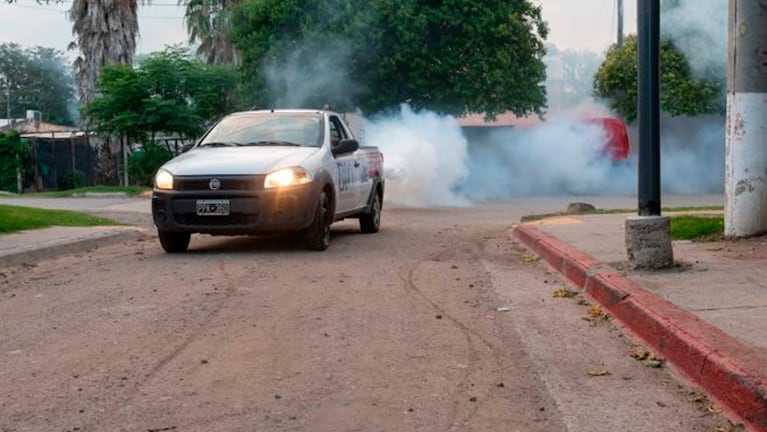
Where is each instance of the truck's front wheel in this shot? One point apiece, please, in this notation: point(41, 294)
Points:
point(317, 236)
point(174, 242)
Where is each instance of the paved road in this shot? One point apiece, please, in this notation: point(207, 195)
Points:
point(396, 331)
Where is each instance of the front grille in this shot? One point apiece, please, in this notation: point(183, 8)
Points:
point(227, 183)
point(235, 219)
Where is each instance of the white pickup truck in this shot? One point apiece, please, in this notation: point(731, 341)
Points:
point(262, 172)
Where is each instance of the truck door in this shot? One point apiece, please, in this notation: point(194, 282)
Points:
point(347, 165)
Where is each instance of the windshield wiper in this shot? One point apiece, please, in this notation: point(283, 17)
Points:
point(220, 144)
point(271, 143)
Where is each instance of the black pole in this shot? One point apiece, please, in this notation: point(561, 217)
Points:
point(619, 39)
point(649, 107)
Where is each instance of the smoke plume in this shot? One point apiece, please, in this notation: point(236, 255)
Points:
point(699, 29)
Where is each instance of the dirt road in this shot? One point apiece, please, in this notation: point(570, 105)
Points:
point(440, 322)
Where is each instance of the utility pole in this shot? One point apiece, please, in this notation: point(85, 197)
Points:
point(648, 236)
point(619, 39)
point(745, 209)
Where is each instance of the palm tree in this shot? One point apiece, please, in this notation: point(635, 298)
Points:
point(105, 33)
point(207, 22)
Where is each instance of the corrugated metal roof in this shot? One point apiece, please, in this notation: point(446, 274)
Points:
point(31, 126)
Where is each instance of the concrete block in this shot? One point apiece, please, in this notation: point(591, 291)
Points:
point(648, 242)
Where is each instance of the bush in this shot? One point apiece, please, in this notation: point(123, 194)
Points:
point(72, 179)
point(144, 163)
point(12, 155)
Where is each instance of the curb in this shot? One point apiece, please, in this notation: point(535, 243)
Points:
point(73, 246)
point(731, 373)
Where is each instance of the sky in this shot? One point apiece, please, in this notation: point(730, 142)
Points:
point(586, 25)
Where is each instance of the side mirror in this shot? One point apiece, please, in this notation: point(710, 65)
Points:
point(346, 146)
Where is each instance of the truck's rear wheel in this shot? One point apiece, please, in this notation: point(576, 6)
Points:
point(371, 222)
point(317, 236)
point(174, 242)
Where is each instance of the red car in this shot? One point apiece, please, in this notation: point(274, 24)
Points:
point(617, 145)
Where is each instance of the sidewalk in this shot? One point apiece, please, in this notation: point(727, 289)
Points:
point(707, 316)
point(33, 245)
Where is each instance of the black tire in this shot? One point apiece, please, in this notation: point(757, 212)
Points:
point(371, 222)
point(317, 236)
point(174, 242)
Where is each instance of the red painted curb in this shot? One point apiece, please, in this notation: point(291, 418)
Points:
point(731, 373)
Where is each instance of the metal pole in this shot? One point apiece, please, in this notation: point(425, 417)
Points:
point(8, 100)
point(649, 107)
point(619, 39)
point(745, 210)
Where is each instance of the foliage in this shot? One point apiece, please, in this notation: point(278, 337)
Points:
point(208, 24)
point(570, 76)
point(13, 152)
point(72, 179)
point(14, 218)
point(697, 227)
point(143, 164)
point(453, 57)
point(39, 80)
point(168, 93)
point(681, 93)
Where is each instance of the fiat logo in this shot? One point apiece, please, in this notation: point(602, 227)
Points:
point(214, 184)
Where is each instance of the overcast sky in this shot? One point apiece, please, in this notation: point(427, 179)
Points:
point(581, 25)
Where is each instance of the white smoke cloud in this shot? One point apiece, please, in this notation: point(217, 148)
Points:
point(431, 161)
point(424, 157)
point(312, 75)
point(699, 30)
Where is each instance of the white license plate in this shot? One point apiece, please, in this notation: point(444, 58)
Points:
point(212, 207)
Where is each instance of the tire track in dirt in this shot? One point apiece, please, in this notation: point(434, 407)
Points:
point(476, 343)
point(192, 335)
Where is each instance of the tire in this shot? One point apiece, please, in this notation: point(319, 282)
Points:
point(317, 236)
point(371, 222)
point(174, 242)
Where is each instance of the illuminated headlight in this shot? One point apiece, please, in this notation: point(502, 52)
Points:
point(287, 177)
point(163, 180)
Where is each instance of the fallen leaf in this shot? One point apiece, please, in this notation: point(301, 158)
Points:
point(564, 293)
point(529, 258)
point(596, 311)
point(713, 409)
point(639, 353)
point(599, 372)
point(699, 398)
point(653, 363)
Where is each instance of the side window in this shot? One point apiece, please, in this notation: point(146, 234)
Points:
point(337, 132)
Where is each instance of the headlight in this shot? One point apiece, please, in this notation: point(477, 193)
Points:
point(163, 180)
point(287, 177)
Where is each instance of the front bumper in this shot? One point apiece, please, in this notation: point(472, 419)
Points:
point(257, 211)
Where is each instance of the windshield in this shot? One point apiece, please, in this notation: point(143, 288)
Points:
point(266, 129)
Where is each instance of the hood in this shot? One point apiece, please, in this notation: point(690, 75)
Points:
point(237, 160)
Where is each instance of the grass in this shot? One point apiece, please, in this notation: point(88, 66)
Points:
point(15, 218)
point(129, 190)
point(697, 228)
point(683, 227)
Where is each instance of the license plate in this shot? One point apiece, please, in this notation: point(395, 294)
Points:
point(212, 207)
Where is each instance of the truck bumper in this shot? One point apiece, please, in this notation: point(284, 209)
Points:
point(250, 212)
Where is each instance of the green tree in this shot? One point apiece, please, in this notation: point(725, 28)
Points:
point(169, 93)
point(453, 57)
point(12, 157)
point(39, 80)
point(208, 24)
point(106, 32)
point(681, 93)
